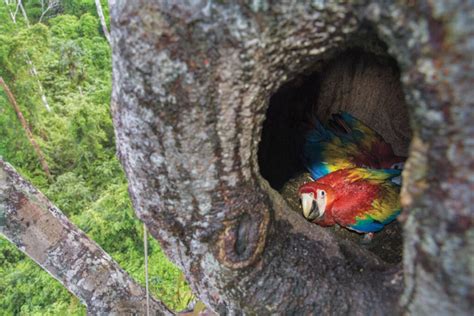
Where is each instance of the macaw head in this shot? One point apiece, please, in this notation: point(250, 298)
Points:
point(315, 198)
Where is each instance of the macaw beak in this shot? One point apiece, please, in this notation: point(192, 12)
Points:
point(310, 208)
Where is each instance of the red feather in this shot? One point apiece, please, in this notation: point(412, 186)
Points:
point(351, 198)
point(360, 199)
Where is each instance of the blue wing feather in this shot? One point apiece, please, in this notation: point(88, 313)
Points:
point(371, 225)
point(313, 151)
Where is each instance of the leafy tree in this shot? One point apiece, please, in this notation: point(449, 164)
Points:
point(73, 63)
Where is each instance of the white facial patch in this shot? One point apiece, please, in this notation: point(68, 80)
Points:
point(321, 201)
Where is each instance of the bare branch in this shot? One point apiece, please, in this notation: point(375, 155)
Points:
point(51, 5)
point(100, 13)
point(12, 14)
point(25, 126)
point(38, 228)
point(23, 12)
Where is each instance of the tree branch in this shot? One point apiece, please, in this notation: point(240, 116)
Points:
point(26, 128)
point(51, 5)
point(23, 11)
point(12, 15)
point(100, 13)
point(38, 228)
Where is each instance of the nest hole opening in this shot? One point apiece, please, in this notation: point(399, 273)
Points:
point(363, 83)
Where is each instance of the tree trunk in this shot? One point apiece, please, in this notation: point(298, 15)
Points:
point(42, 232)
point(191, 86)
point(26, 128)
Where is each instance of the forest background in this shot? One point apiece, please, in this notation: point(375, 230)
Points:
point(72, 60)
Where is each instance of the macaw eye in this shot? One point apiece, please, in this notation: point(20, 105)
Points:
point(398, 165)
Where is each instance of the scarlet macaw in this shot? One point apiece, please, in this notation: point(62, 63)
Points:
point(363, 200)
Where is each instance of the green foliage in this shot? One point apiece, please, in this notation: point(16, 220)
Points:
point(88, 25)
point(64, 27)
point(73, 62)
point(70, 193)
point(80, 7)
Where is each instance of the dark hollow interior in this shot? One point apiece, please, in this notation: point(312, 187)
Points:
point(363, 83)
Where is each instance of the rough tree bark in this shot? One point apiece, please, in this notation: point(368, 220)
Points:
point(42, 232)
point(191, 85)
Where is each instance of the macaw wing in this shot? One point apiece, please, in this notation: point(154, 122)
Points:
point(353, 130)
point(316, 156)
point(313, 150)
point(383, 209)
point(374, 220)
point(369, 200)
point(324, 152)
point(368, 224)
point(374, 176)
